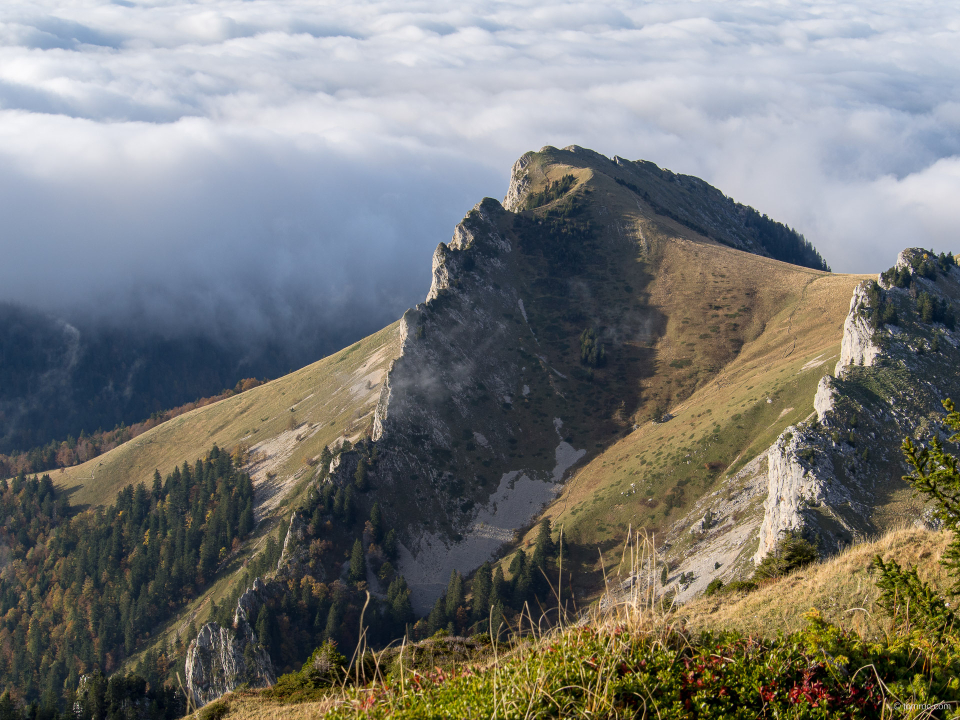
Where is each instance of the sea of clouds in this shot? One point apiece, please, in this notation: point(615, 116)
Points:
point(278, 165)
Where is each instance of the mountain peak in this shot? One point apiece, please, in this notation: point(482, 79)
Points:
point(685, 199)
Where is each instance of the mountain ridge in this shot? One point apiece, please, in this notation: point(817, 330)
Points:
point(581, 356)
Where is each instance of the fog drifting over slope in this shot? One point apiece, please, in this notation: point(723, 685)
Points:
point(277, 165)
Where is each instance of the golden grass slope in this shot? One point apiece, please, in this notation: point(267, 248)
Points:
point(843, 589)
point(725, 411)
point(284, 423)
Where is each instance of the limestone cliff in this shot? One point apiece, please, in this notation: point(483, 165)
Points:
point(858, 347)
point(454, 408)
point(837, 478)
point(221, 659)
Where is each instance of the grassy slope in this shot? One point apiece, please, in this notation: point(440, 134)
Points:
point(842, 589)
point(734, 330)
point(329, 397)
point(317, 404)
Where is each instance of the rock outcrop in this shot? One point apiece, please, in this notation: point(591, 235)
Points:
point(857, 346)
point(823, 401)
point(519, 183)
point(799, 490)
point(221, 659)
point(830, 479)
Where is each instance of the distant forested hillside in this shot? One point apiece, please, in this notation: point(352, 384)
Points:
point(79, 593)
point(59, 379)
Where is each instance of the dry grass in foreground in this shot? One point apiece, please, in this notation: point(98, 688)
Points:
point(843, 589)
point(634, 661)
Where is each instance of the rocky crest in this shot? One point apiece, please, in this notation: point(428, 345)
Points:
point(830, 477)
point(221, 659)
point(858, 347)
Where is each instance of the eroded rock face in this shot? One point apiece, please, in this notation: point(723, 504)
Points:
point(221, 659)
point(295, 534)
point(830, 479)
point(519, 182)
point(798, 488)
point(857, 347)
point(823, 400)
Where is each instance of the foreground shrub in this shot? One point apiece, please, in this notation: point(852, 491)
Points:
point(821, 672)
point(325, 667)
point(791, 553)
point(915, 605)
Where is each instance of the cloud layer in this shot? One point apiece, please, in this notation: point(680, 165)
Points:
point(289, 164)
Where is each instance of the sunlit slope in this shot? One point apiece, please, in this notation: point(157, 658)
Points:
point(723, 414)
point(843, 588)
point(284, 423)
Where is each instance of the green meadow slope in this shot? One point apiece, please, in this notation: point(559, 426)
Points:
point(282, 426)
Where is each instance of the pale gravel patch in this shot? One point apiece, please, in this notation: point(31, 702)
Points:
point(816, 362)
point(275, 452)
point(729, 542)
point(516, 501)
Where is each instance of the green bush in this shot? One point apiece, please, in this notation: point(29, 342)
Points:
point(714, 587)
point(914, 604)
point(215, 711)
point(324, 668)
point(791, 552)
point(743, 586)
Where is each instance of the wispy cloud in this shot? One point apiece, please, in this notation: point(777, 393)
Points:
point(297, 161)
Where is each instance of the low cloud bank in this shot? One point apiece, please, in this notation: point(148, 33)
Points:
point(280, 168)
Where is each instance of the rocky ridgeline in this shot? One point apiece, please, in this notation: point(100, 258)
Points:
point(828, 477)
point(453, 410)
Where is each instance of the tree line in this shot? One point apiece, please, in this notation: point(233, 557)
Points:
point(82, 592)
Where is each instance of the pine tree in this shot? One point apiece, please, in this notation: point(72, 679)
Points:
point(358, 563)
point(399, 596)
point(334, 620)
point(437, 620)
point(390, 545)
point(480, 588)
point(545, 548)
point(262, 626)
point(497, 624)
point(376, 522)
point(349, 504)
point(542, 554)
point(8, 710)
point(454, 594)
point(360, 476)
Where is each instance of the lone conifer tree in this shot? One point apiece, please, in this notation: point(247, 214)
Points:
point(936, 475)
point(358, 563)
